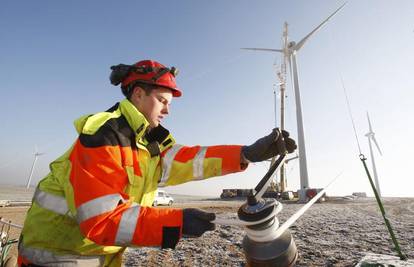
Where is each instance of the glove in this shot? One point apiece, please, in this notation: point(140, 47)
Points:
point(267, 147)
point(196, 222)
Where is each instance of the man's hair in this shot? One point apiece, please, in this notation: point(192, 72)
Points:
point(128, 90)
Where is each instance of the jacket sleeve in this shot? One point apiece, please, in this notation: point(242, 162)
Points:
point(104, 213)
point(181, 164)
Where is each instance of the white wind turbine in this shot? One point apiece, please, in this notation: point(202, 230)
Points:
point(36, 155)
point(371, 137)
point(289, 51)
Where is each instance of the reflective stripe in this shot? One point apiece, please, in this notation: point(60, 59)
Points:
point(167, 162)
point(51, 202)
point(127, 226)
point(198, 168)
point(46, 258)
point(98, 206)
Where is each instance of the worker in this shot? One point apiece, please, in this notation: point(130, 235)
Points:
point(97, 198)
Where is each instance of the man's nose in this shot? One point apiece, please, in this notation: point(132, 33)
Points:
point(166, 109)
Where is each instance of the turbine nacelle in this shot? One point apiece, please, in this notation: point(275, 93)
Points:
point(291, 45)
point(370, 134)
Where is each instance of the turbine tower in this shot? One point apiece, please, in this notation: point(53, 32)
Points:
point(36, 155)
point(371, 137)
point(289, 51)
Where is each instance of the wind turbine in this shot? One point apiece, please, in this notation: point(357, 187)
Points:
point(289, 51)
point(36, 155)
point(371, 137)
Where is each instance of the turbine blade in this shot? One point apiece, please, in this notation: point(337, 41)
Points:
point(302, 42)
point(263, 49)
point(376, 144)
point(369, 123)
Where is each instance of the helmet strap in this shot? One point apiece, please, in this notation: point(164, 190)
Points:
point(160, 73)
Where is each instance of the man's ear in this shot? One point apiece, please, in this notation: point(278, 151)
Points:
point(137, 93)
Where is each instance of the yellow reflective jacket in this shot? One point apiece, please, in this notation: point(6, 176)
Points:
point(97, 198)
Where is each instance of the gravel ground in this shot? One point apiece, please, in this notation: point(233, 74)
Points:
point(334, 233)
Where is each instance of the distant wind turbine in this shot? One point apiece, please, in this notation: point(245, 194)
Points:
point(289, 51)
point(36, 155)
point(371, 137)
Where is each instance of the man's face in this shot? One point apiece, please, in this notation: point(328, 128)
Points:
point(155, 107)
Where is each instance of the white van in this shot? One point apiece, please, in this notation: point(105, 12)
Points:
point(162, 198)
point(5, 203)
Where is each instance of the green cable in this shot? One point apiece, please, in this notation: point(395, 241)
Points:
point(387, 223)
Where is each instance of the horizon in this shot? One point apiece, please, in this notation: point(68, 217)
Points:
point(32, 189)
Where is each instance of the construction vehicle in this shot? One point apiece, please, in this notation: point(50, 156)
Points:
point(234, 193)
point(5, 203)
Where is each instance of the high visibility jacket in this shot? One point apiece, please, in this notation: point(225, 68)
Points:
point(97, 198)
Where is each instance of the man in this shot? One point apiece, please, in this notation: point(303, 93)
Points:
point(96, 201)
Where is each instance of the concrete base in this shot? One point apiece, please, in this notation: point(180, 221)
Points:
point(372, 259)
point(302, 198)
point(304, 195)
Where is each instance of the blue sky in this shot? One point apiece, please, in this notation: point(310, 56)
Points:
point(55, 58)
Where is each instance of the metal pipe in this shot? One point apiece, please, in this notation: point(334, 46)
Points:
point(264, 183)
point(387, 222)
point(11, 224)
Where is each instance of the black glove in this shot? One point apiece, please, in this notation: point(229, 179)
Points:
point(196, 222)
point(269, 146)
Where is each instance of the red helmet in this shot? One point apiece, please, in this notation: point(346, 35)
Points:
point(152, 72)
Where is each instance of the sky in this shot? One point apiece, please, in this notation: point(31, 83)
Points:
point(54, 67)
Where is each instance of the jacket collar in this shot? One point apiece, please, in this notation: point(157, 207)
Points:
point(136, 119)
point(158, 137)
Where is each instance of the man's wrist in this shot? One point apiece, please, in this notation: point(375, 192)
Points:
point(243, 159)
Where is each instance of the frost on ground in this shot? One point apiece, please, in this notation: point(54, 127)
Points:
point(334, 233)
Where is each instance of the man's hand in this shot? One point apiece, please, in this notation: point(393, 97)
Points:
point(196, 222)
point(267, 147)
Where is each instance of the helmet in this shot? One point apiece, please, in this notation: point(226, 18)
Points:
point(146, 71)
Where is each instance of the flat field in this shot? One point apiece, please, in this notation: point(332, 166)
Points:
point(334, 233)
